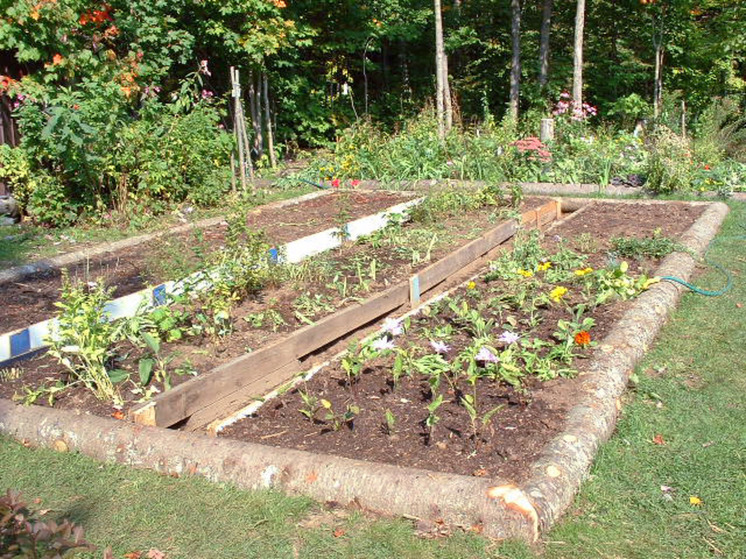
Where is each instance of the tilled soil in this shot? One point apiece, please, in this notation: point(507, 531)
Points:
point(32, 299)
point(527, 419)
point(204, 353)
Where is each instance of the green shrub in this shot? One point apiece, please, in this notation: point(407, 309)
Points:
point(670, 167)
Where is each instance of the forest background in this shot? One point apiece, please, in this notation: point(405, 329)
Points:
point(124, 108)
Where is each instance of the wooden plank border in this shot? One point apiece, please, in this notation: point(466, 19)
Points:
point(205, 398)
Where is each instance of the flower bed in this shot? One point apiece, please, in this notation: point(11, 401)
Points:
point(96, 363)
point(479, 381)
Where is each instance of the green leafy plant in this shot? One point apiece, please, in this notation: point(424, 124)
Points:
point(82, 337)
point(655, 246)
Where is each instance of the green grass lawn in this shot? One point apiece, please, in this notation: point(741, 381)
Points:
point(691, 391)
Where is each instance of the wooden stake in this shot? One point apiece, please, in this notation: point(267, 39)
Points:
point(237, 125)
point(268, 120)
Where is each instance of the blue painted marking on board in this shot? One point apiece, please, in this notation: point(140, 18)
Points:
point(274, 255)
point(159, 294)
point(20, 343)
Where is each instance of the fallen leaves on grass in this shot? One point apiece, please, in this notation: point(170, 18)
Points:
point(118, 414)
point(339, 532)
point(695, 501)
point(659, 440)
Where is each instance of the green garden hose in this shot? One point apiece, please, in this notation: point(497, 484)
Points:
point(728, 275)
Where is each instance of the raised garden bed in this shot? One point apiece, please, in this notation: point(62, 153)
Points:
point(380, 405)
point(30, 299)
point(495, 505)
point(358, 270)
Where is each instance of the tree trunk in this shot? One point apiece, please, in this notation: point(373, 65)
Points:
point(577, 74)
point(658, 86)
point(439, 81)
point(546, 28)
point(447, 99)
point(268, 121)
point(256, 115)
point(515, 71)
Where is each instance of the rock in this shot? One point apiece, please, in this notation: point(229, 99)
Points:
point(9, 207)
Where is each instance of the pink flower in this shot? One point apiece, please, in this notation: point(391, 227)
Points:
point(207, 94)
point(335, 183)
point(354, 183)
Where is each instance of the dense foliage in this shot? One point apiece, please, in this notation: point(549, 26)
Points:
point(122, 102)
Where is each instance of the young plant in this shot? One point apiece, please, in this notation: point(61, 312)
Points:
point(339, 419)
point(311, 405)
point(82, 338)
point(478, 419)
point(432, 418)
point(389, 422)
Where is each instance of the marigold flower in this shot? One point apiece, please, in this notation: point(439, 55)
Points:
point(471, 285)
point(525, 273)
point(582, 338)
point(583, 271)
point(57, 59)
point(544, 267)
point(557, 293)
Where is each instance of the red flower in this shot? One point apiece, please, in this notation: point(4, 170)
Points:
point(707, 167)
point(354, 183)
point(335, 183)
point(57, 59)
point(582, 338)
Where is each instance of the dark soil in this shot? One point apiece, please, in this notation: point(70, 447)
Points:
point(32, 300)
point(202, 354)
point(529, 416)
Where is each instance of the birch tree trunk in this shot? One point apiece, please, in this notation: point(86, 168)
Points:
point(447, 99)
point(439, 77)
point(515, 71)
point(546, 28)
point(268, 121)
point(658, 85)
point(577, 74)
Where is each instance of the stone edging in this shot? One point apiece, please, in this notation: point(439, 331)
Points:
point(499, 508)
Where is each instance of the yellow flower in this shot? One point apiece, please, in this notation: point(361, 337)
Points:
point(583, 271)
point(696, 501)
point(543, 267)
point(526, 273)
point(557, 293)
point(471, 285)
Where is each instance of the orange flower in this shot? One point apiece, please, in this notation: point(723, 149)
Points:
point(57, 59)
point(582, 338)
point(279, 3)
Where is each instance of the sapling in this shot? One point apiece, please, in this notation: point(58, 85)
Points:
point(469, 401)
point(432, 418)
point(390, 422)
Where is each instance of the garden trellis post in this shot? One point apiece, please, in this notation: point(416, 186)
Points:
point(244, 154)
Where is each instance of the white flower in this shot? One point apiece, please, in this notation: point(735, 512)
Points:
point(392, 326)
point(508, 337)
point(382, 344)
point(440, 347)
point(485, 355)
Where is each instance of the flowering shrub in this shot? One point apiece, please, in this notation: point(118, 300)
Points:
point(566, 106)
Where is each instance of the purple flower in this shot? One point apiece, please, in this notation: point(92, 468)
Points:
point(440, 347)
point(392, 326)
point(485, 355)
point(382, 344)
point(207, 94)
point(508, 337)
